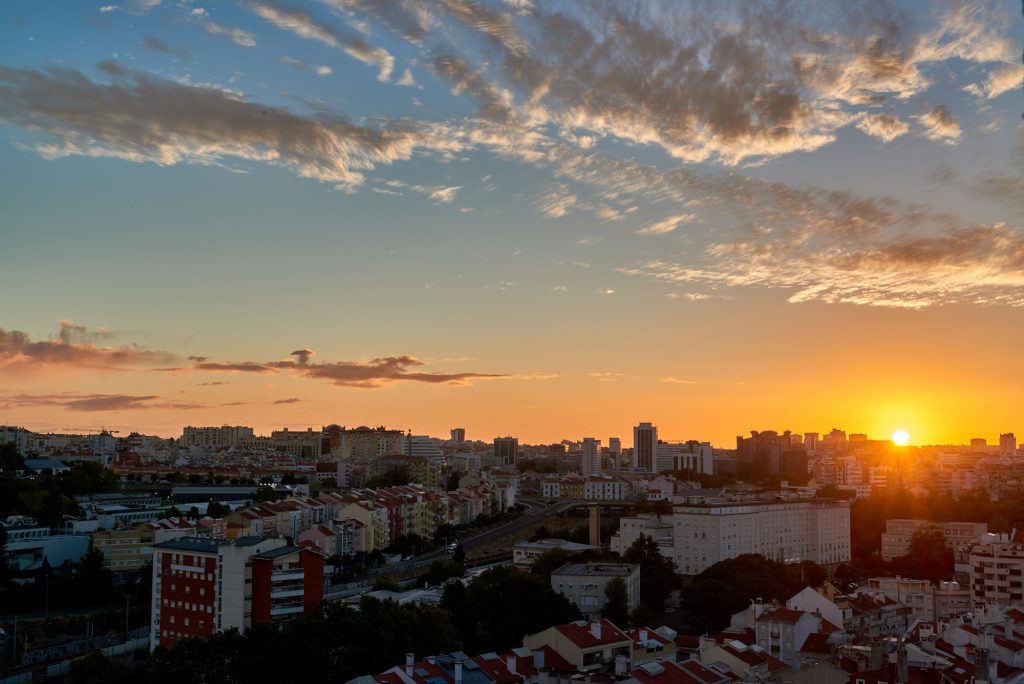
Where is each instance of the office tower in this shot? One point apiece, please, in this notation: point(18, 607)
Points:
point(590, 457)
point(1007, 444)
point(458, 435)
point(505, 450)
point(811, 441)
point(645, 447)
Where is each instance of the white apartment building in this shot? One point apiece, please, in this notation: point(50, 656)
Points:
point(997, 573)
point(584, 584)
point(692, 456)
point(600, 488)
point(788, 531)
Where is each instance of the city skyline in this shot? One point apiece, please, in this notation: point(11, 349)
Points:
point(522, 218)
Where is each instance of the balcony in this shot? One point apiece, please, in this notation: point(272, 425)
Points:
point(286, 592)
point(285, 576)
point(280, 611)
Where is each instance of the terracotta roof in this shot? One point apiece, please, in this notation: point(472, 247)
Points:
point(580, 633)
point(816, 643)
point(494, 667)
point(669, 672)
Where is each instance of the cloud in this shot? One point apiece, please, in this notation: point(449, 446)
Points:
point(1002, 79)
point(556, 201)
point(677, 381)
point(318, 70)
point(291, 400)
point(444, 195)
point(940, 125)
point(73, 345)
point(158, 45)
point(605, 377)
point(407, 80)
point(666, 225)
point(885, 127)
point(976, 264)
point(302, 24)
point(109, 8)
point(96, 402)
point(378, 372)
point(238, 36)
point(604, 291)
point(143, 118)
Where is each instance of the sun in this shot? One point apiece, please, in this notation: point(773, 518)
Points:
point(900, 438)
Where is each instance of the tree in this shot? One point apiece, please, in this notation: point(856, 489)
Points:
point(215, 509)
point(658, 576)
point(929, 556)
point(710, 603)
point(642, 616)
point(193, 513)
point(385, 583)
point(460, 555)
point(452, 482)
point(501, 605)
point(440, 571)
point(328, 483)
point(616, 604)
point(10, 457)
point(397, 476)
point(265, 493)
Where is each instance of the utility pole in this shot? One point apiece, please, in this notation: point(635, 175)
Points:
point(127, 603)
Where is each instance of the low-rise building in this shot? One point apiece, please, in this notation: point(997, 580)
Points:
point(525, 552)
point(584, 584)
point(585, 645)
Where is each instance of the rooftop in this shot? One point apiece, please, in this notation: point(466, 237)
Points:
point(597, 569)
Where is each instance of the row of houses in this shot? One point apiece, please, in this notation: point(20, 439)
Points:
point(618, 487)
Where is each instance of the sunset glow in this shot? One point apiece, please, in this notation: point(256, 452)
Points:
point(529, 220)
point(900, 438)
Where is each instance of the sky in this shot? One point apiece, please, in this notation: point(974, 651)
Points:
point(542, 219)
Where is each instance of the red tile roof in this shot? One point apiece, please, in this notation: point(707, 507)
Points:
point(580, 633)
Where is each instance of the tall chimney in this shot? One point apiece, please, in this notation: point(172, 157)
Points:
point(458, 672)
point(595, 629)
point(409, 659)
point(510, 663)
point(643, 636)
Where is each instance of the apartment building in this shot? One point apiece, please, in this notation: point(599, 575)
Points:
point(201, 585)
point(997, 573)
point(899, 531)
point(585, 583)
point(706, 533)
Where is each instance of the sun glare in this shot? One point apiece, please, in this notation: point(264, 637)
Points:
point(900, 437)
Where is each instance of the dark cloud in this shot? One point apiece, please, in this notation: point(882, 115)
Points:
point(303, 355)
point(378, 372)
point(158, 45)
point(73, 345)
point(146, 118)
point(291, 400)
point(96, 402)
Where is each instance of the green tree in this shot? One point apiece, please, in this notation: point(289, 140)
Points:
point(386, 583)
point(439, 571)
point(658, 578)
point(501, 605)
point(642, 616)
point(929, 557)
point(265, 492)
point(10, 457)
point(709, 604)
point(460, 555)
point(616, 603)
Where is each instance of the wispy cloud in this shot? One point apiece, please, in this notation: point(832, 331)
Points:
point(677, 381)
point(322, 70)
point(940, 124)
point(143, 118)
point(885, 127)
point(666, 225)
point(303, 24)
point(71, 401)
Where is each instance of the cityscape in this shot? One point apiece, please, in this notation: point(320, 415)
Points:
point(512, 341)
